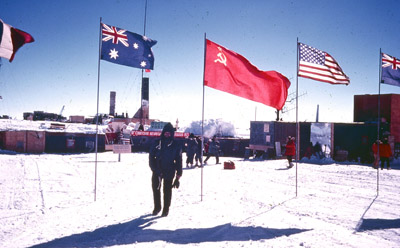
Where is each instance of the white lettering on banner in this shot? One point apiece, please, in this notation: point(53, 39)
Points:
point(157, 134)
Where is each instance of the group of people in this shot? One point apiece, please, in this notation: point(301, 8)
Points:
point(194, 148)
point(385, 152)
point(314, 150)
point(165, 160)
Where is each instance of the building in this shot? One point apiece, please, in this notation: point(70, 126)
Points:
point(366, 110)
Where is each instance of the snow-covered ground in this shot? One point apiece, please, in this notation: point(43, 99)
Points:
point(48, 201)
point(19, 125)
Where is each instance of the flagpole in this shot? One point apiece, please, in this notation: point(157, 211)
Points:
point(202, 118)
point(379, 119)
point(141, 95)
point(97, 115)
point(297, 109)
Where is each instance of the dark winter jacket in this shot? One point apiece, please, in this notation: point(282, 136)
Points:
point(165, 156)
point(191, 146)
point(214, 147)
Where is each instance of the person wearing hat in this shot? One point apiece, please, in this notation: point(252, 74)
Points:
point(191, 147)
point(290, 150)
point(165, 160)
point(213, 150)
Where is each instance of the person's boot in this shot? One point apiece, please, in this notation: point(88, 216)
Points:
point(165, 212)
point(156, 211)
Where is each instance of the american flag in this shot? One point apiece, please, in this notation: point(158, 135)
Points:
point(319, 65)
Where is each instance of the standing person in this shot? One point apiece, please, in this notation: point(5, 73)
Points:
point(290, 150)
point(213, 149)
point(385, 152)
point(198, 151)
point(375, 152)
point(318, 150)
point(165, 160)
point(190, 150)
point(309, 151)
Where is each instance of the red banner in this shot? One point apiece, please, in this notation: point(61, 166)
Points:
point(158, 134)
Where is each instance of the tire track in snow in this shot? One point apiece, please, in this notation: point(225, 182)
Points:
point(40, 186)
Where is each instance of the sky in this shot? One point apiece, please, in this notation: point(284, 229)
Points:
point(62, 68)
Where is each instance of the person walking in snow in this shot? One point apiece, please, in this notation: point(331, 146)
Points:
point(165, 160)
point(290, 150)
point(385, 152)
point(190, 150)
point(199, 149)
point(213, 150)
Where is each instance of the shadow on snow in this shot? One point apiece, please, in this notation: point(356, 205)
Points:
point(376, 224)
point(134, 232)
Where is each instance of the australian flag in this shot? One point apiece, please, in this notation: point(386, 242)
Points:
point(390, 70)
point(126, 48)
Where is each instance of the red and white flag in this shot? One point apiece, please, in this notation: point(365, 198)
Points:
point(319, 65)
point(11, 39)
point(230, 72)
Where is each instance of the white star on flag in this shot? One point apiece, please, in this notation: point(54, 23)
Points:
point(113, 54)
point(143, 64)
point(135, 45)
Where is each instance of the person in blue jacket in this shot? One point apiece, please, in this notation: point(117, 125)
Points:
point(165, 160)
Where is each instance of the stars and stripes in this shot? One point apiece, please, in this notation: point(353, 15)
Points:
point(122, 47)
point(319, 65)
point(390, 70)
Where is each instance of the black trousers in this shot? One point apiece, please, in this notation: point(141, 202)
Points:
point(383, 160)
point(214, 154)
point(167, 190)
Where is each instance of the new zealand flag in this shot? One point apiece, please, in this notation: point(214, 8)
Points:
point(390, 70)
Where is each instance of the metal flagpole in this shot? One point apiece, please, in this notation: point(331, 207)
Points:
point(297, 110)
point(97, 115)
point(202, 118)
point(379, 119)
point(141, 95)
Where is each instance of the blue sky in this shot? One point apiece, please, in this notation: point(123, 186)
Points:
point(61, 66)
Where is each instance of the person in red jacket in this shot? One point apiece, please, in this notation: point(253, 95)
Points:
point(375, 152)
point(385, 152)
point(290, 150)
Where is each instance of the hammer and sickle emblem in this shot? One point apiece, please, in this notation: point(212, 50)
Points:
point(221, 57)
